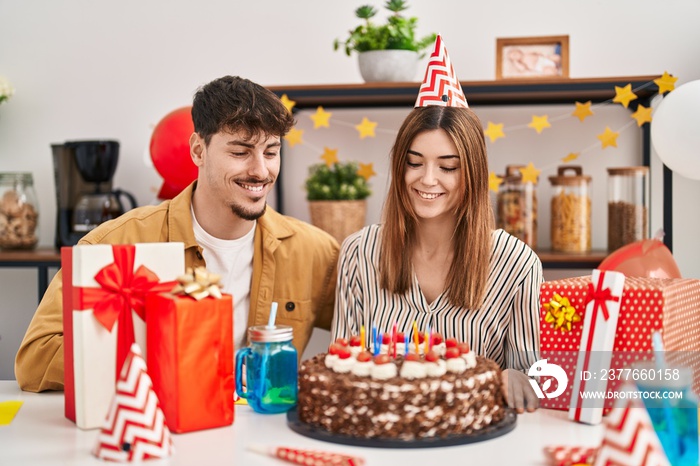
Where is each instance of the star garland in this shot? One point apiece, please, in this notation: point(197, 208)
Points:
point(494, 131)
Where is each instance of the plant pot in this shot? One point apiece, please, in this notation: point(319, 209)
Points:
point(388, 65)
point(338, 218)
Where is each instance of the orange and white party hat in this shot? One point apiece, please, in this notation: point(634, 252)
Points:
point(440, 85)
point(629, 438)
point(135, 427)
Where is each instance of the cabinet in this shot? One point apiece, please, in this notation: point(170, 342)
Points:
point(494, 93)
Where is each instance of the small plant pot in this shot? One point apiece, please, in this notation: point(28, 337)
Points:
point(338, 218)
point(388, 65)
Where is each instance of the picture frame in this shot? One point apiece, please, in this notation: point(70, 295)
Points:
point(532, 57)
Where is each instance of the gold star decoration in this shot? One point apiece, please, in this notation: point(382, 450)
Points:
point(642, 115)
point(624, 95)
point(583, 110)
point(494, 131)
point(330, 156)
point(494, 182)
point(289, 104)
point(321, 118)
point(570, 158)
point(608, 138)
point(666, 83)
point(539, 123)
point(293, 137)
point(366, 128)
point(366, 170)
point(530, 173)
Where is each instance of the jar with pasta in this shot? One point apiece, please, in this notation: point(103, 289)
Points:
point(516, 206)
point(628, 205)
point(571, 210)
point(18, 211)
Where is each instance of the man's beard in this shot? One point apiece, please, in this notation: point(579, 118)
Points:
point(244, 213)
point(247, 214)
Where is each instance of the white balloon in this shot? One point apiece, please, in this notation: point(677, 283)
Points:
point(675, 130)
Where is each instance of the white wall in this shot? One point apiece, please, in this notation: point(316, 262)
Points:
point(111, 69)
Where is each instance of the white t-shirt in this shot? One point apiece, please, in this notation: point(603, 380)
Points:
point(233, 261)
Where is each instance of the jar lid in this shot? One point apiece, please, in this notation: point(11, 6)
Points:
point(265, 334)
point(513, 174)
point(25, 177)
point(575, 179)
point(628, 170)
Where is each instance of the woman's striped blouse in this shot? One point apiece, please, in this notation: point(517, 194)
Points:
point(505, 329)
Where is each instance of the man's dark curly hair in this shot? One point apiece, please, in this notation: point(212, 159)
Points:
point(236, 104)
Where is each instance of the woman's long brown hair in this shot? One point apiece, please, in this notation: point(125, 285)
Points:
point(471, 239)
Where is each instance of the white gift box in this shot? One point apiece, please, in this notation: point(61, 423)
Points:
point(597, 341)
point(99, 283)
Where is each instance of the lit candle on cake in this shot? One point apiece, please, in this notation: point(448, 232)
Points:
point(393, 338)
point(427, 340)
point(362, 337)
point(416, 342)
point(374, 338)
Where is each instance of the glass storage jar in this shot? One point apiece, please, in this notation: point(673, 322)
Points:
point(628, 205)
point(571, 210)
point(516, 206)
point(19, 211)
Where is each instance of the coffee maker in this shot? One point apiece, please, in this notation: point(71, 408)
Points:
point(83, 173)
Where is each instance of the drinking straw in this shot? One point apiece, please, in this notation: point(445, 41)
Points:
point(263, 363)
point(273, 315)
point(658, 346)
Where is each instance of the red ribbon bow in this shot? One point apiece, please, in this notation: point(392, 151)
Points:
point(600, 297)
point(121, 290)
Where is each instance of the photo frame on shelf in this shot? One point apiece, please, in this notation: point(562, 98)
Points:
point(532, 57)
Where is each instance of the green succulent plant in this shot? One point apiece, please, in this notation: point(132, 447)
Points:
point(398, 33)
point(339, 182)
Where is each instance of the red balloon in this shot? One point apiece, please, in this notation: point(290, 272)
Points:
point(645, 258)
point(170, 152)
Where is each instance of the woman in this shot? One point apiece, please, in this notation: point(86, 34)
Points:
point(436, 258)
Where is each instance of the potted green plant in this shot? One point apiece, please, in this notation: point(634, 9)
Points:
point(389, 51)
point(337, 198)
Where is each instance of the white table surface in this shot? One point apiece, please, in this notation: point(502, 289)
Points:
point(40, 434)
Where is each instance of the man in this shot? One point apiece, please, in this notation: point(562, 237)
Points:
point(223, 221)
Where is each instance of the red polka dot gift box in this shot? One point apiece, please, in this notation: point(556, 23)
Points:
point(668, 305)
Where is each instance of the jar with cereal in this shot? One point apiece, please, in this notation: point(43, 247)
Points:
point(19, 211)
point(516, 206)
point(628, 205)
point(571, 210)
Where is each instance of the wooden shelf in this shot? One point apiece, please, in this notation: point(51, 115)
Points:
point(25, 257)
point(502, 92)
point(569, 260)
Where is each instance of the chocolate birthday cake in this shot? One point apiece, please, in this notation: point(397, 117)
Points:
point(391, 395)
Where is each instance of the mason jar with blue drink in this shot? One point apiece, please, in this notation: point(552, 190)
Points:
point(673, 408)
point(271, 369)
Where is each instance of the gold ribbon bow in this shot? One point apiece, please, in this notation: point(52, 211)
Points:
point(198, 284)
point(561, 314)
